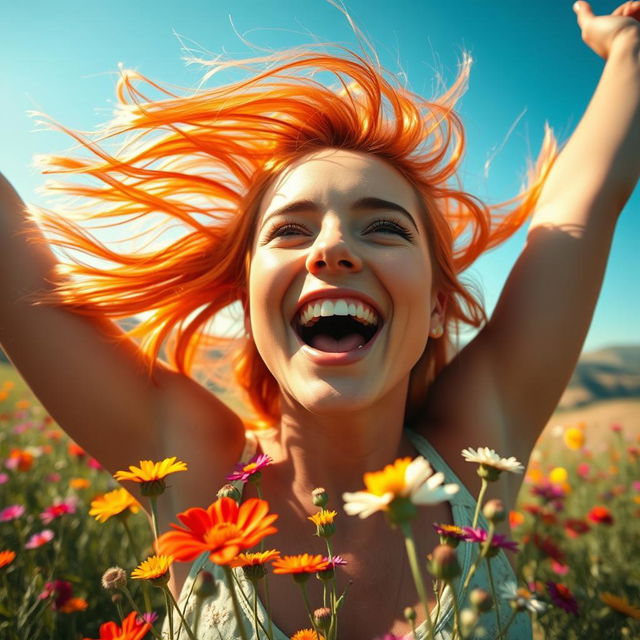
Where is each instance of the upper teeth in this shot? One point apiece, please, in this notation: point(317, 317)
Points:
point(312, 311)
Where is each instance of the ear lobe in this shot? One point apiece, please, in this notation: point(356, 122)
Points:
point(438, 310)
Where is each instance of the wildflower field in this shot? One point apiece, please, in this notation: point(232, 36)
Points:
point(64, 521)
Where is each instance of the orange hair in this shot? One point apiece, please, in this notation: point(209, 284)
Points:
point(203, 160)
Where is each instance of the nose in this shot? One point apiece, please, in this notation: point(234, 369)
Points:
point(333, 253)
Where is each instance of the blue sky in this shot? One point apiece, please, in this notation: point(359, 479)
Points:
point(530, 67)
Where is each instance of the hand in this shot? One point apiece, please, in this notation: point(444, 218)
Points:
point(599, 32)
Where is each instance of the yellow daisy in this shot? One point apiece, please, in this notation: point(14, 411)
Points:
point(255, 558)
point(153, 568)
point(113, 503)
point(151, 474)
point(323, 517)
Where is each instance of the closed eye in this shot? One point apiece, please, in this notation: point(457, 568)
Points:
point(283, 229)
point(389, 225)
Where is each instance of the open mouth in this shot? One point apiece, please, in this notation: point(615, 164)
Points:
point(337, 325)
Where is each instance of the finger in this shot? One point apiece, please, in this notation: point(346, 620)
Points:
point(583, 12)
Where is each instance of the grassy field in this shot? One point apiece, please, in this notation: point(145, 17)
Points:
point(576, 521)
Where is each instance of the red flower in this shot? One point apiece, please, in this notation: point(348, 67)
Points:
point(574, 527)
point(562, 597)
point(549, 548)
point(132, 629)
point(600, 515)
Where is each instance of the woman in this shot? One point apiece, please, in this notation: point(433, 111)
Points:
point(297, 194)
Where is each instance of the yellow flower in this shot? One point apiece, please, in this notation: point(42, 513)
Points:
point(151, 475)
point(153, 568)
point(149, 471)
point(113, 503)
point(620, 604)
point(574, 438)
point(322, 517)
point(255, 558)
point(558, 475)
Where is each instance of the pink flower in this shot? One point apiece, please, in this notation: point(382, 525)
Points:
point(336, 561)
point(616, 428)
point(497, 542)
point(3, 478)
point(559, 568)
point(38, 539)
point(149, 617)
point(22, 427)
point(11, 513)
point(636, 486)
point(584, 470)
point(61, 590)
point(94, 464)
point(54, 477)
point(57, 509)
point(245, 470)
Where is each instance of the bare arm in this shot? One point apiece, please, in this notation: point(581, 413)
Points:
point(94, 384)
point(535, 335)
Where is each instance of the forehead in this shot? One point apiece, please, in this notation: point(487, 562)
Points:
point(334, 177)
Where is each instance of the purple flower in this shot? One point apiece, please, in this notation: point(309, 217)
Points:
point(38, 539)
point(336, 561)
point(562, 597)
point(245, 470)
point(497, 541)
point(550, 493)
point(149, 617)
point(11, 513)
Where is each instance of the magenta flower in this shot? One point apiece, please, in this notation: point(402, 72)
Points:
point(149, 618)
point(11, 513)
point(498, 541)
point(336, 561)
point(550, 493)
point(636, 486)
point(57, 509)
point(94, 464)
point(38, 539)
point(61, 590)
point(3, 478)
point(245, 470)
point(562, 597)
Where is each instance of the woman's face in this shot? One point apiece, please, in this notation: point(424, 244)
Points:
point(340, 284)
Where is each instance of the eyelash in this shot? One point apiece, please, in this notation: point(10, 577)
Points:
point(390, 223)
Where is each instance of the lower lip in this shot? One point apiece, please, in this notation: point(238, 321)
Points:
point(338, 357)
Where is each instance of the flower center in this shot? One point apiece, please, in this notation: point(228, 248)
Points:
point(220, 534)
point(390, 480)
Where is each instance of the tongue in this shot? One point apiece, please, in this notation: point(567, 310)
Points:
point(323, 342)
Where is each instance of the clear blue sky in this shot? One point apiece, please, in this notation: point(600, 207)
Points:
point(530, 67)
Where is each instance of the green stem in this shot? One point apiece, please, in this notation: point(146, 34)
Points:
point(456, 611)
point(483, 490)
point(333, 626)
point(255, 612)
point(132, 545)
point(405, 527)
point(503, 633)
point(167, 606)
point(303, 588)
point(248, 603)
point(172, 601)
point(154, 517)
point(493, 593)
point(236, 605)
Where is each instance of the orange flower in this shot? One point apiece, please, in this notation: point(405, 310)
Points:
point(253, 559)
point(22, 404)
point(516, 518)
point(131, 629)
point(79, 483)
point(620, 604)
point(307, 634)
point(20, 459)
point(600, 515)
point(113, 503)
point(6, 557)
point(302, 563)
point(224, 529)
point(74, 604)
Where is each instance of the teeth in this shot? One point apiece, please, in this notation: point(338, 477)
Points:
point(310, 313)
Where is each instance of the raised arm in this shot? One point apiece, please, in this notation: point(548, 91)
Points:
point(528, 350)
point(91, 381)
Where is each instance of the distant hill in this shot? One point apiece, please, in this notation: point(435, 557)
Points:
point(605, 374)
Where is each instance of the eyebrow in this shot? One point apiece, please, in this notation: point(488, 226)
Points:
point(375, 204)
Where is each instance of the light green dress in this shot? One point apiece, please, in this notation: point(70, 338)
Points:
point(217, 621)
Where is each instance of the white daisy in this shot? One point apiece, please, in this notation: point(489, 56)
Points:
point(521, 599)
point(489, 458)
point(404, 478)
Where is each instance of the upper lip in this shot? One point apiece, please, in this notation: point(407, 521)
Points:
point(336, 292)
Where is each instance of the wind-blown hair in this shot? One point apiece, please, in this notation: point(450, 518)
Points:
point(201, 161)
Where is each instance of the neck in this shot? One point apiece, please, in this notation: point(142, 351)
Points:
point(334, 450)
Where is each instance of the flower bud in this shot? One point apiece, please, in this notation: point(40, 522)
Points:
point(204, 585)
point(494, 511)
point(409, 614)
point(468, 620)
point(320, 497)
point(443, 562)
point(322, 618)
point(229, 491)
point(114, 578)
point(153, 488)
point(254, 572)
point(480, 600)
point(116, 598)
